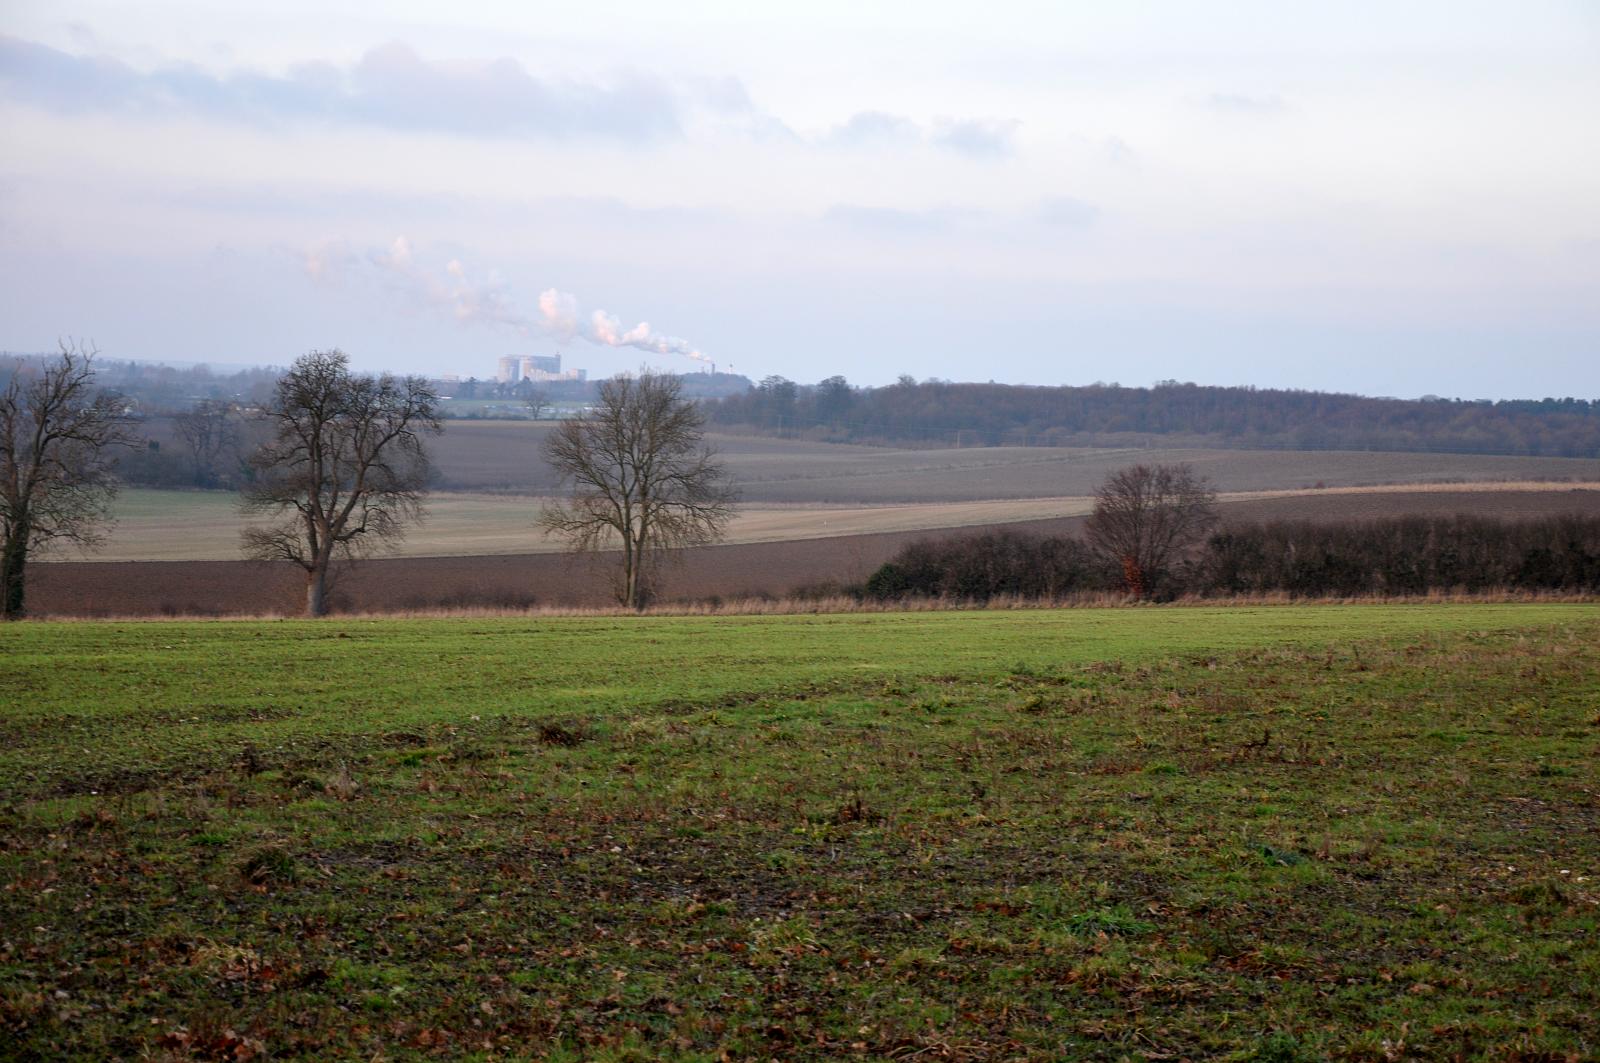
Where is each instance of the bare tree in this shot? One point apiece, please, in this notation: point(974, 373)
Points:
point(56, 485)
point(211, 431)
point(344, 471)
point(1145, 517)
point(538, 403)
point(643, 479)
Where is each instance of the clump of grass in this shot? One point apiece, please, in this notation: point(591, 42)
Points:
point(250, 761)
point(563, 732)
point(1034, 705)
point(856, 811)
point(1116, 921)
point(1541, 896)
point(1281, 857)
point(341, 784)
point(788, 935)
point(267, 865)
point(1277, 1047)
point(226, 960)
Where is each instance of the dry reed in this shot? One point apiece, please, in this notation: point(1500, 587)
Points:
point(844, 604)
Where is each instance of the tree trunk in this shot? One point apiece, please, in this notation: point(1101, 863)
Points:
point(317, 591)
point(1133, 576)
point(630, 574)
point(13, 559)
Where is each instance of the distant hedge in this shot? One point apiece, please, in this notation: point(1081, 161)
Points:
point(978, 567)
point(1404, 555)
point(1393, 556)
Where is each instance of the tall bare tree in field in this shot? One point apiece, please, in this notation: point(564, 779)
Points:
point(345, 469)
point(1145, 517)
point(643, 480)
point(57, 431)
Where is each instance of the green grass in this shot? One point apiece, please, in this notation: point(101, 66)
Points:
point(1363, 832)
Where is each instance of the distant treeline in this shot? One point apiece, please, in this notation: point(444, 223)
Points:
point(188, 426)
point(163, 389)
point(935, 413)
point(154, 390)
point(1396, 556)
point(695, 386)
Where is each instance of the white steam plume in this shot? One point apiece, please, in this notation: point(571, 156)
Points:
point(486, 302)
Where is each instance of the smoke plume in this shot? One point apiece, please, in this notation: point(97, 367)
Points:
point(486, 302)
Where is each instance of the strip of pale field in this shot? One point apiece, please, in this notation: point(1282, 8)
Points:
point(204, 526)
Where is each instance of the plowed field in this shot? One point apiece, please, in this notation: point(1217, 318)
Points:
point(774, 568)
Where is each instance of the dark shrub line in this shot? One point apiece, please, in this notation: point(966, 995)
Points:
point(1397, 557)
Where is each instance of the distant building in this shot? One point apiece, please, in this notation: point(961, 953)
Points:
point(536, 367)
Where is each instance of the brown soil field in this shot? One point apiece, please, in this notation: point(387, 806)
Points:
point(204, 525)
point(1036, 472)
point(518, 580)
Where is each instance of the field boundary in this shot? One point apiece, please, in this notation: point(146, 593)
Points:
point(843, 605)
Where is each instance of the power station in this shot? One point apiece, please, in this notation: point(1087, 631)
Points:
point(537, 368)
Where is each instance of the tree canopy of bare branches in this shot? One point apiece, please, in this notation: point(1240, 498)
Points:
point(210, 431)
point(345, 469)
point(56, 484)
point(643, 480)
point(538, 403)
point(1145, 517)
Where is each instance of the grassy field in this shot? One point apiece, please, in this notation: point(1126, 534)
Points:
point(1285, 833)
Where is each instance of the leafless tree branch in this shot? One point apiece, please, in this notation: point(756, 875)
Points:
point(1146, 517)
point(210, 431)
point(56, 482)
point(345, 470)
point(643, 480)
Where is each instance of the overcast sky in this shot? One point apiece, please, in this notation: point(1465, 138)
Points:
point(1389, 198)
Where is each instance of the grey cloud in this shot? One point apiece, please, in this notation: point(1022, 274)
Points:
point(394, 87)
point(1043, 220)
point(37, 74)
point(726, 94)
point(1242, 104)
point(897, 221)
point(391, 86)
point(978, 137)
point(727, 102)
point(974, 137)
point(1117, 151)
point(1066, 212)
point(874, 128)
point(599, 214)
